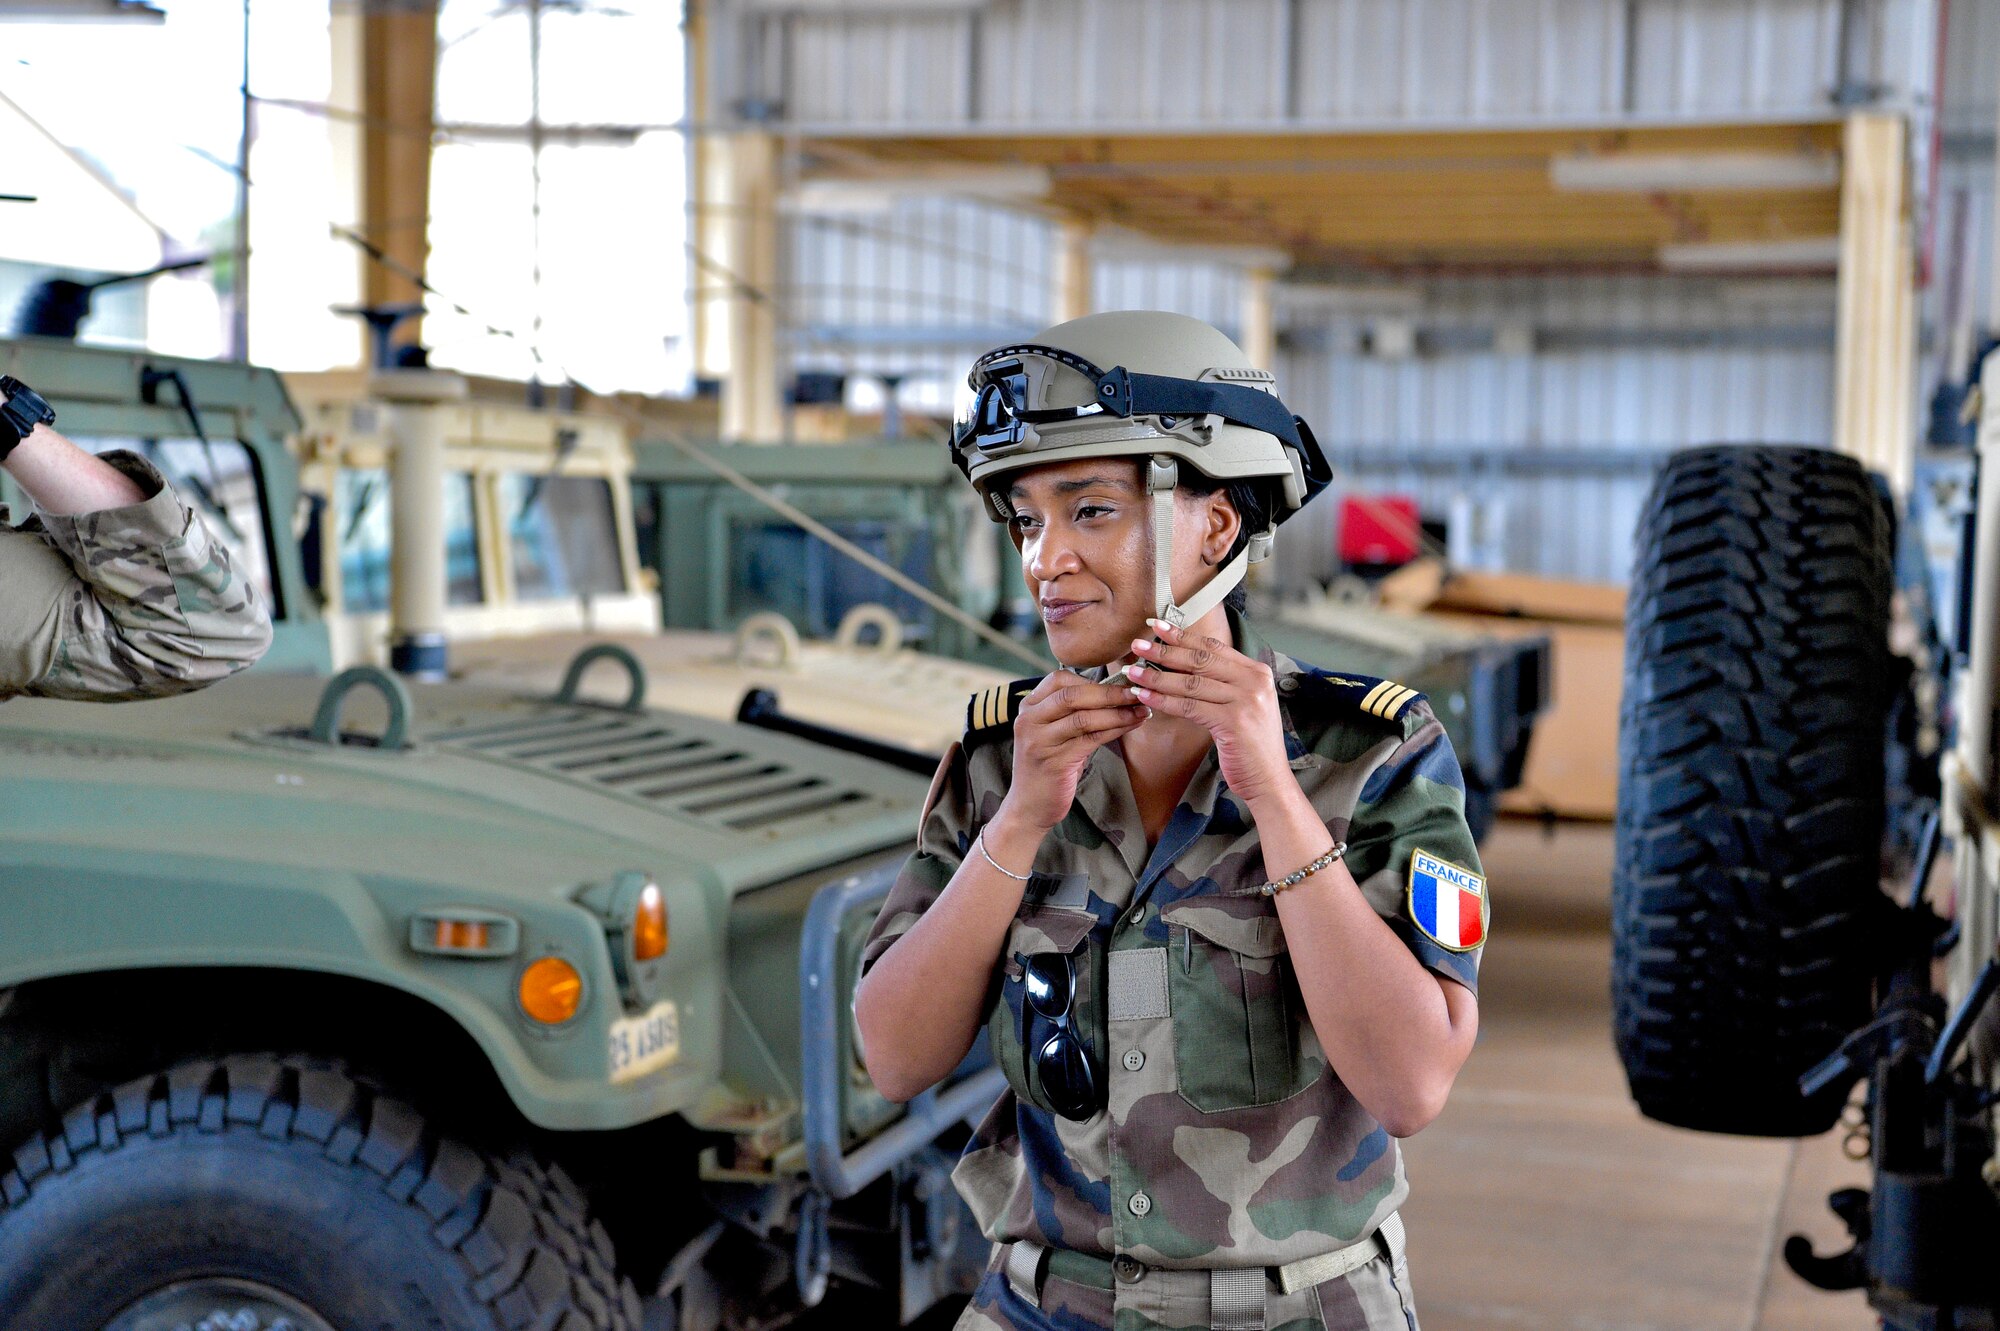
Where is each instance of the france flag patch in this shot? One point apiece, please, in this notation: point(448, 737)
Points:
point(1446, 902)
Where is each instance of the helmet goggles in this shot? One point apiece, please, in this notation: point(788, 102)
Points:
point(1001, 417)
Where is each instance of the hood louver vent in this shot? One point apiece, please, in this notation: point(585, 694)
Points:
point(651, 759)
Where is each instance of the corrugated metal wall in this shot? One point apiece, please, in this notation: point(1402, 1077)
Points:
point(1217, 63)
point(1529, 408)
point(916, 290)
point(1541, 450)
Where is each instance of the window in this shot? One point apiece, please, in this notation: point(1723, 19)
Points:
point(361, 517)
point(777, 566)
point(563, 534)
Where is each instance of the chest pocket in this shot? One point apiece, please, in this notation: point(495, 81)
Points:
point(1012, 1028)
point(1236, 1005)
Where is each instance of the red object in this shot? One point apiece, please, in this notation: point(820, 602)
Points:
point(1379, 529)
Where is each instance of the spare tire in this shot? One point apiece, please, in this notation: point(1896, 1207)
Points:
point(1750, 796)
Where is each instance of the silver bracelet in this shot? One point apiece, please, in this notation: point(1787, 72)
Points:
point(1298, 876)
point(980, 841)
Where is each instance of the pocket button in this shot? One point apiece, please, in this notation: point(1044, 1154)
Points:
point(1134, 1060)
point(1129, 1271)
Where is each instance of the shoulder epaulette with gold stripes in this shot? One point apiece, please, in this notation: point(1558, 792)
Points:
point(1381, 698)
point(990, 714)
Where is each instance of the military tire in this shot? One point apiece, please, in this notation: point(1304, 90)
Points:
point(1750, 797)
point(262, 1185)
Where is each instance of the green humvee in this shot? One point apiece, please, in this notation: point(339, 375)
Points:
point(542, 560)
point(709, 544)
point(351, 1003)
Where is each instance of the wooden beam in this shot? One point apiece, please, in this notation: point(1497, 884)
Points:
point(751, 410)
point(1875, 342)
point(1260, 318)
point(1405, 196)
point(1074, 271)
point(709, 228)
point(398, 97)
point(1412, 150)
point(345, 133)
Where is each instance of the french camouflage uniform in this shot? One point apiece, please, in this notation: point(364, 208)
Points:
point(1232, 1180)
point(126, 603)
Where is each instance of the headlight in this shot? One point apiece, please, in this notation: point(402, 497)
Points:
point(633, 909)
point(649, 924)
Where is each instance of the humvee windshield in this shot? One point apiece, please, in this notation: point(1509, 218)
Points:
point(563, 532)
point(361, 507)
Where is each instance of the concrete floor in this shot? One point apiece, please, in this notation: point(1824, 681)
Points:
point(1541, 1199)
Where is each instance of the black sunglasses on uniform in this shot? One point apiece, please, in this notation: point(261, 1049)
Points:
point(1061, 1061)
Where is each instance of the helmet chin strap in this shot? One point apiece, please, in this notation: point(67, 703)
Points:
point(1162, 475)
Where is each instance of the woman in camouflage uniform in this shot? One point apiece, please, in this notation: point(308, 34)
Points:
point(1219, 912)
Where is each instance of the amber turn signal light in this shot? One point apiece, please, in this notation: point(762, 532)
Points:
point(462, 935)
point(649, 925)
point(551, 991)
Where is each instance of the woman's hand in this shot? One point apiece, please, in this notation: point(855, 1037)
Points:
point(1228, 694)
point(1060, 724)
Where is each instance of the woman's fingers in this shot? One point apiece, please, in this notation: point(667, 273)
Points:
point(1182, 703)
point(1097, 720)
point(1188, 654)
point(1181, 684)
point(1079, 746)
point(1080, 695)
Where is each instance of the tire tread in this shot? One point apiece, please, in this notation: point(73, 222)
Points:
point(518, 1228)
point(1750, 801)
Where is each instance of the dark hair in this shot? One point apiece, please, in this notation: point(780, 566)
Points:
point(1253, 502)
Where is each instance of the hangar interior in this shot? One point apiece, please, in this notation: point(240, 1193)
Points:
point(517, 327)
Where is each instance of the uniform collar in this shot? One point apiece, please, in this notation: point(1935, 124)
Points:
point(1106, 797)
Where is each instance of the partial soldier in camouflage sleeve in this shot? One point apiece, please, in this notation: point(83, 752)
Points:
point(115, 590)
point(1219, 913)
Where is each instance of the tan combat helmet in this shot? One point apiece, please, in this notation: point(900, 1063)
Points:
point(1173, 390)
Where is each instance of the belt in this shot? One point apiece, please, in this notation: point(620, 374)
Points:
point(1235, 1296)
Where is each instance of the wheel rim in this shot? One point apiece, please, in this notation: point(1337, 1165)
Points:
point(219, 1303)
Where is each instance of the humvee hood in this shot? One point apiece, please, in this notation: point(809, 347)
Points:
point(506, 789)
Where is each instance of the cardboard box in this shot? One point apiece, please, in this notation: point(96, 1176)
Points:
point(1572, 766)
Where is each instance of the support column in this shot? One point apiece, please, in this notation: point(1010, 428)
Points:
point(1260, 348)
point(347, 136)
point(708, 223)
point(1875, 350)
point(418, 587)
point(1260, 318)
point(398, 98)
point(749, 209)
point(1073, 271)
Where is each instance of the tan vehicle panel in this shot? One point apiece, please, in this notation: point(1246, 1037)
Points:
point(888, 693)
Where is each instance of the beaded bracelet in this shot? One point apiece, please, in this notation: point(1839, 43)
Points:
point(1298, 876)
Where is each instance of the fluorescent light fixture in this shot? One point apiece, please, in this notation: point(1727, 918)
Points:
point(81, 11)
point(846, 193)
point(1673, 173)
point(851, 7)
point(1351, 298)
point(1817, 253)
point(1118, 244)
point(1813, 294)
